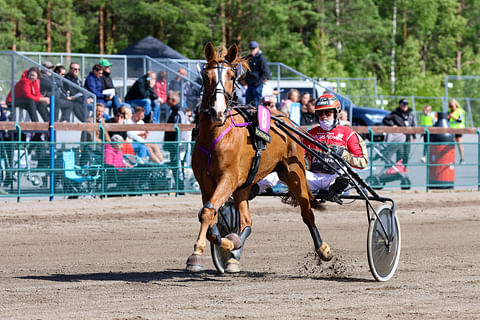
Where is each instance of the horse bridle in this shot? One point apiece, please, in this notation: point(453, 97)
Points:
point(210, 99)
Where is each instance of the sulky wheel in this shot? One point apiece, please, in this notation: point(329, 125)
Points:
point(228, 221)
point(383, 250)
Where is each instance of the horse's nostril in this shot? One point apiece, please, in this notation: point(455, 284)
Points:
point(219, 115)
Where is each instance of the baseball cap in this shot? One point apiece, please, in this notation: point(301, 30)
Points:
point(105, 63)
point(253, 44)
point(47, 64)
point(403, 101)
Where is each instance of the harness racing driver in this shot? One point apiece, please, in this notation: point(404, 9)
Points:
point(341, 139)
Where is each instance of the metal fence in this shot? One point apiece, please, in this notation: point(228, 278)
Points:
point(31, 167)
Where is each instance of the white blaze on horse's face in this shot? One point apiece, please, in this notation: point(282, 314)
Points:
point(220, 99)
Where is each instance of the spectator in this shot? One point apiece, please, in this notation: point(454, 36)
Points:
point(141, 93)
point(141, 146)
point(308, 118)
point(343, 119)
point(241, 92)
point(46, 80)
point(269, 102)
point(72, 76)
point(66, 103)
point(427, 119)
point(100, 118)
point(160, 89)
point(176, 84)
point(119, 118)
point(111, 101)
point(257, 75)
point(93, 83)
point(400, 117)
point(292, 96)
point(456, 118)
point(29, 97)
point(114, 154)
point(177, 115)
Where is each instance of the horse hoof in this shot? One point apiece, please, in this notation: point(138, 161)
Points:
point(237, 242)
point(233, 266)
point(324, 252)
point(194, 263)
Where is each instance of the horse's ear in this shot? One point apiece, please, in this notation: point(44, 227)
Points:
point(209, 51)
point(232, 53)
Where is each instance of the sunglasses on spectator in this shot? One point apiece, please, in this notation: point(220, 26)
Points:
point(328, 113)
point(76, 69)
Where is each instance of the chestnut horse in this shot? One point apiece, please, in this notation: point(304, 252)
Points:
point(222, 158)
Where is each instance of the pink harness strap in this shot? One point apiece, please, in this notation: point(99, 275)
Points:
point(209, 152)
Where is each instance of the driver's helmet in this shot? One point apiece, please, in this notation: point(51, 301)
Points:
point(328, 101)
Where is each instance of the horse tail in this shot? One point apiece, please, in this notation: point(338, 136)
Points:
point(290, 199)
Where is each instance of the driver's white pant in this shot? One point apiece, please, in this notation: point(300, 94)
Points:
point(317, 181)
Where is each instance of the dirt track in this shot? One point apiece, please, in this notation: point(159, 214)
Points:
point(124, 259)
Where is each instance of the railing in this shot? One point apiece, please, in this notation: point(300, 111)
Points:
point(39, 168)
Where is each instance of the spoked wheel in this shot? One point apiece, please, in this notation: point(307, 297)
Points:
point(219, 257)
point(228, 222)
point(383, 250)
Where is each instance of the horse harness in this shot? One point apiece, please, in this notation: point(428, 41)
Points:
point(259, 141)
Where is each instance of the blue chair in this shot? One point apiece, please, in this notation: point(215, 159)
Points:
point(79, 180)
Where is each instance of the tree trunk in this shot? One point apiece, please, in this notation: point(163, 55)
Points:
point(394, 33)
point(49, 27)
point(14, 31)
point(101, 32)
point(222, 18)
point(68, 33)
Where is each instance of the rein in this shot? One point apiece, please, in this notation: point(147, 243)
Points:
point(209, 151)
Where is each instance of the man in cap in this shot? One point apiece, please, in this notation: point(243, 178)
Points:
point(400, 117)
point(111, 101)
point(257, 75)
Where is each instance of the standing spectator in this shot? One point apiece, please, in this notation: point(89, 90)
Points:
point(94, 84)
point(29, 97)
point(141, 93)
point(401, 117)
point(292, 96)
point(428, 119)
point(308, 117)
point(160, 110)
point(456, 118)
point(111, 101)
point(177, 115)
point(257, 75)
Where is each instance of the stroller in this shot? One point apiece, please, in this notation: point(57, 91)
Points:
point(391, 171)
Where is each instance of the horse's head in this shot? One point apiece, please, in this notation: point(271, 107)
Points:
point(219, 76)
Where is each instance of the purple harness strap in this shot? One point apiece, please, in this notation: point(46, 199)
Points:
point(209, 152)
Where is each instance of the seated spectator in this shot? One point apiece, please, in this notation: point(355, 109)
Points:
point(308, 117)
point(140, 137)
point(94, 84)
point(111, 101)
point(269, 102)
point(75, 94)
point(141, 93)
point(292, 96)
point(100, 118)
point(29, 97)
point(160, 109)
point(114, 154)
point(343, 119)
point(65, 103)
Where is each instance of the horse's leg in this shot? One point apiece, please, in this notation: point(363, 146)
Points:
point(298, 185)
point(233, 264)
point(208, 218)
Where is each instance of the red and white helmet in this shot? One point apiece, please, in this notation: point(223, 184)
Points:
point(328, 101)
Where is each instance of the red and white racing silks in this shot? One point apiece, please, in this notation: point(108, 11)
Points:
point(354, 148)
